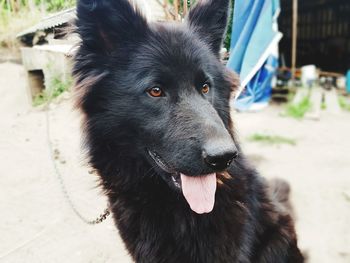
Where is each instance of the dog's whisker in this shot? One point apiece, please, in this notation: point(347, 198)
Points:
point(151, 170)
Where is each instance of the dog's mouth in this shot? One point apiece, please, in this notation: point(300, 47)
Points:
point(199, 191)
point(175, 176)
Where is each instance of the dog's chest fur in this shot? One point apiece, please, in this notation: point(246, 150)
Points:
point(157, 225)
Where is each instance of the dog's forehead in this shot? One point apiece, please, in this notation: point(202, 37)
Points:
point(173, 47)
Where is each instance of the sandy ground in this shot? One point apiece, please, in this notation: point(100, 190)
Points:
point(37, 224)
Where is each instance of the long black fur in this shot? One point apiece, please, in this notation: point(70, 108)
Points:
point(120, 57)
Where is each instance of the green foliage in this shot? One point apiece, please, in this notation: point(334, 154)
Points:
point(56, 5)
point(227, 41)
point(181, 4)
point(54, 90)
point(344, 104)
point(271, 140)
point(298, 110)
point(15, 6)
point(58, 86)
point(17, 15)
point(11, 25)
point(40, 99)
point(346, 196)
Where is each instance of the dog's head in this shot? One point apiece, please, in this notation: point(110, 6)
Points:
point(158, 91)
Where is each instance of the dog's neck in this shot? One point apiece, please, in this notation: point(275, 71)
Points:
point(127, 173)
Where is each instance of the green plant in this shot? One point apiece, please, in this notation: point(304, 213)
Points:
point(55, 88)
point(12, 24)
point(17, 15)
point(346, 196)
point(298, 110)
point(15, 6)
point(58, 86)
point(56, 5)
point(344, 104)
point(272, 140)
point(227, 40)
point(40, 99)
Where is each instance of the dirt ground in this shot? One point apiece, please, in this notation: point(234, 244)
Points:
point(37, 224)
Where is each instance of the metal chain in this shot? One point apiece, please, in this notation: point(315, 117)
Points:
point(102, 217)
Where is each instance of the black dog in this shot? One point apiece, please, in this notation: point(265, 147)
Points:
point(155, 97)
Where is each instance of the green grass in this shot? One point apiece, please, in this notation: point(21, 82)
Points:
point(271, 140)
point(54, 90)
point(291, 95)
point(344, 104)
point(346, 196)
point(40, 99)
point(57, 5)
point(298, 110)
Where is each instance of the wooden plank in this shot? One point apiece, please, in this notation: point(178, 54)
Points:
point(176, 9)
point(153, 10)
point(42, 64)
point(33, 59)
point(330, 74)
point(185, 7)
point(156, 10)
point(165, 6)
point(294, 38)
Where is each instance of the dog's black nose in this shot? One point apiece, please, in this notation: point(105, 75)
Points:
point(219, 158)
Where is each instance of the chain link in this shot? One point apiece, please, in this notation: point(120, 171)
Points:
point(102, 217)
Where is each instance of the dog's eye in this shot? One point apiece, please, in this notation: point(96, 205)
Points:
point(155, 92)
point(205, 88)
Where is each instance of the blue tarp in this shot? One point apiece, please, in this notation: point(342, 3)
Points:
point(348, 82)
point(254, 49)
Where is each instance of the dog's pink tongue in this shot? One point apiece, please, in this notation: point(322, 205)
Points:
point(199, 192)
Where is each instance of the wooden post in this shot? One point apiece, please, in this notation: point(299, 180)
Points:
point(31, 5)
point(294, 39)
point(14, 6)
point(165, 7)
point(9, 7)
point(185, 8)
point(176, 9)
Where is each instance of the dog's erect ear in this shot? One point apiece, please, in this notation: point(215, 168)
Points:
point(103, 25)
point(209, 18)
